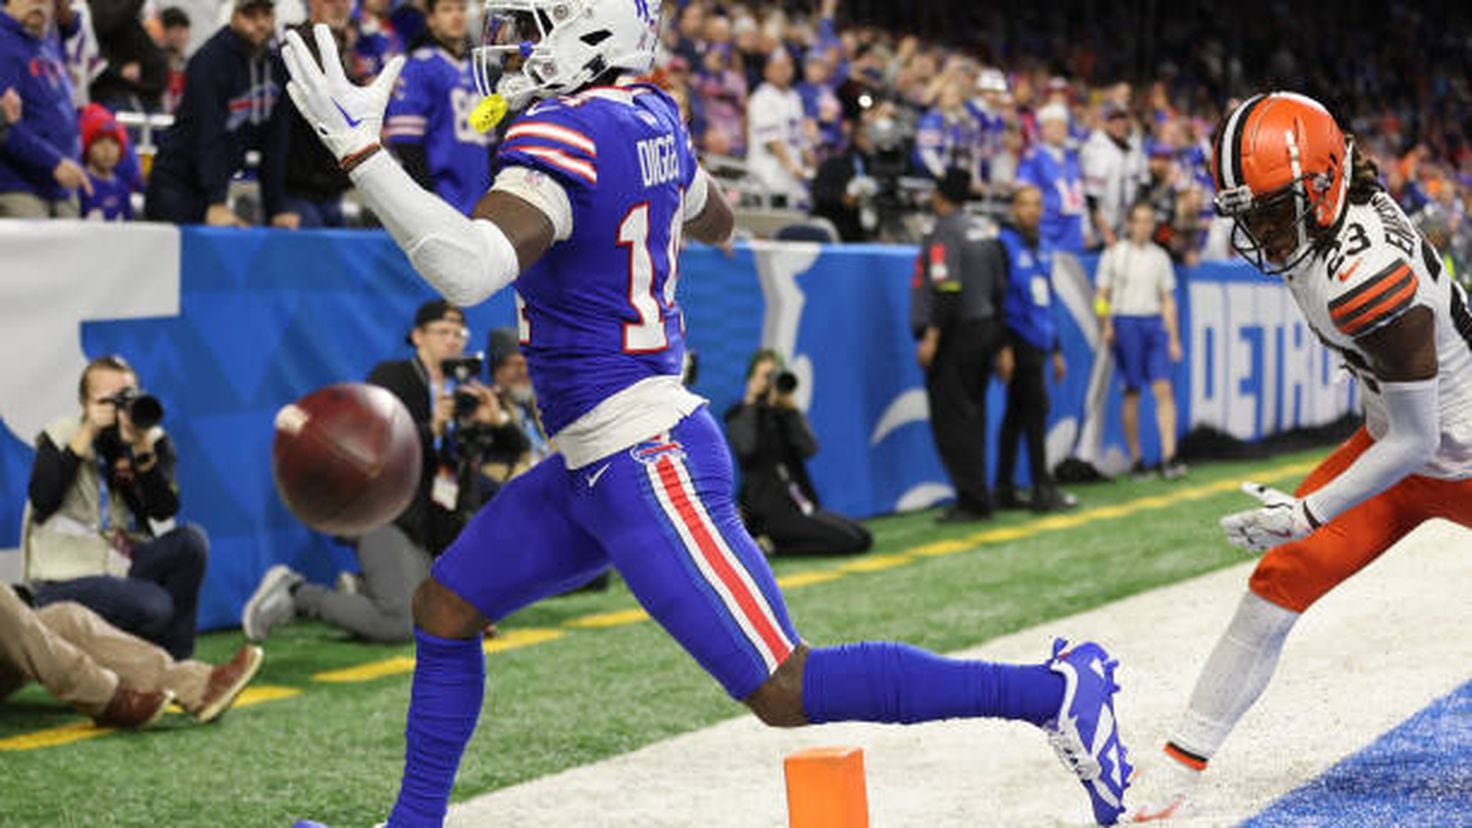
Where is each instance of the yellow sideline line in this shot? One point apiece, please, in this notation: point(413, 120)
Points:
point(507, 640)
point(517, 638)
point(51, 736)
point(969, 543)
point(83, 730)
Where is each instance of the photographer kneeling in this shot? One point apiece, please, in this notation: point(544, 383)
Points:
point(460, 423)
point(98, 483)
point(772, 439)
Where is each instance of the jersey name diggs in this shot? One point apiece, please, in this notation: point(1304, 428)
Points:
point(658, 161)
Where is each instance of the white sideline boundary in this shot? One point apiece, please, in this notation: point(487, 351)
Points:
point(1375, 651)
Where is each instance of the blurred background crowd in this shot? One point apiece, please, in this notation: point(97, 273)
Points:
point(846, 109)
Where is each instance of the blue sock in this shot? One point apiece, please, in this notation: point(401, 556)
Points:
point(885, 682)
point(449, 685)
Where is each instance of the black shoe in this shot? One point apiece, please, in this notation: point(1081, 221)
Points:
point(1052, 500)
point(1140, 471)
point(1173, 469)
point(961, 514)
point(1008, 499)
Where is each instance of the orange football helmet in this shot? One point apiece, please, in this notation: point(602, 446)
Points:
point(1282, 170)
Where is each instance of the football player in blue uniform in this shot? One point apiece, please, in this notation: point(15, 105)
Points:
point(428, 123)
point(595, 186)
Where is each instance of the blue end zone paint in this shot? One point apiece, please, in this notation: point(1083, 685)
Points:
point(1419, 774)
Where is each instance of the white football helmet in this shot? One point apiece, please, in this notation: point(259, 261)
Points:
point(562, 45)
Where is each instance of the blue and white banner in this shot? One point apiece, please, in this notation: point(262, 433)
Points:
point(226, 326)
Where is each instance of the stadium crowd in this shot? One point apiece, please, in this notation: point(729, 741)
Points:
point(772, 89)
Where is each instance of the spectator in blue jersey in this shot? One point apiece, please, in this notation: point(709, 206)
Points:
point(989, 107)
point(949, 135)
point(377, 41)
point(1052, 166)
point(39, 169)
point(314, 185)
point(10, 109)
point(427, 124)
point(232, 104)
point(103, 142)
point(1032, 343)
point(820, 103)
point(408, 18)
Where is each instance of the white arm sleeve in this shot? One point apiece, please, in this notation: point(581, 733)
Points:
point(1411, 440)
point(465, 259)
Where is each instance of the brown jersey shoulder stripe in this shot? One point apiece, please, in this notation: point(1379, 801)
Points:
point(1384, 307)
point(1373, 284)
point(1349, 308)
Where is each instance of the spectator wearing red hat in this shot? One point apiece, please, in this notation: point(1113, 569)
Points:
point(103, 144)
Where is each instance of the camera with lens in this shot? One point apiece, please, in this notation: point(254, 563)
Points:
point(892, 140)
point(785, 383)
point(143, 409)
point(462, 370)
point(779, 384)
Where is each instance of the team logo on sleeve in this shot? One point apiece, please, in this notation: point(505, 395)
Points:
point(651, 452)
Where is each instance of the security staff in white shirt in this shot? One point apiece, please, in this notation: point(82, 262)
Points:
point(1137, 314)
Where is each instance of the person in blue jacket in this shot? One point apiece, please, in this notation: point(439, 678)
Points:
point(39, 153)
point(233, 102)
point(1032, 340)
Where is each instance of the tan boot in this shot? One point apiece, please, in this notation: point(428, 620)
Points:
point(134, 709)
point(227, 681)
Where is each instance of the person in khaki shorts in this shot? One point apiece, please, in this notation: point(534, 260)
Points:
point(116, 678)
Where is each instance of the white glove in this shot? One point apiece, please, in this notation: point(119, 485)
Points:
point(1281, 519)
point(348, 117)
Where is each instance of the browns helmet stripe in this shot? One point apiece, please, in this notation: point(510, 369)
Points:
point(1226, 145)
point(1236, 129)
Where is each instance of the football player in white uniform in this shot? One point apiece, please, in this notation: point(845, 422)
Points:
point(1307, 206)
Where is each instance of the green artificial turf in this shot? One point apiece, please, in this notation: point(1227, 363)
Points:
point(333, 753)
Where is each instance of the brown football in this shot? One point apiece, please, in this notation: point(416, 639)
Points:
point(346, 458)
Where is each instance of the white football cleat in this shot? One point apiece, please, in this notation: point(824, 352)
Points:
point(1162, 792)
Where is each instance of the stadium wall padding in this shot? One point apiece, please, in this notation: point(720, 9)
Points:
point(226, 326)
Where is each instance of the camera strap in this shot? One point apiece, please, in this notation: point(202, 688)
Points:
point(445, 488)
point(423, 373)
point(104, 514)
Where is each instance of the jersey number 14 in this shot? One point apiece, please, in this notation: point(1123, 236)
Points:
point(651, 287)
